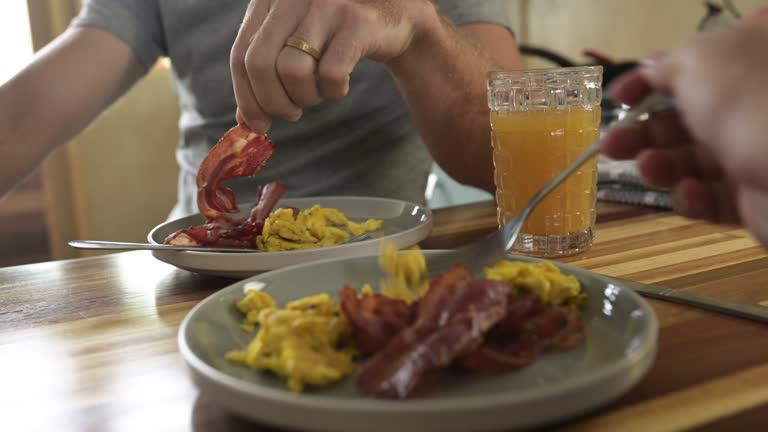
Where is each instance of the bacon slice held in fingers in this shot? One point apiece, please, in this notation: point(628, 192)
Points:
point(240, 153)
point(451, 320)
point(375, 319)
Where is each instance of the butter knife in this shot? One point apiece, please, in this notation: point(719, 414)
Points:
point(739, 310)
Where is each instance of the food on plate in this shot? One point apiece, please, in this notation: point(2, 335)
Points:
point(542, 278)
point(307, 343)
point(407, 277)
point(376, 318)
point(414, 326)
point(451, 320)
point(254, 302)
point(241, 153)
point(286, 229)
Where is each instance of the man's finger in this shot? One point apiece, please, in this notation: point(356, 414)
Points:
point(247, 106)
point(297, 69)
point(663, 130)
point(710, 201)
point(261, 59)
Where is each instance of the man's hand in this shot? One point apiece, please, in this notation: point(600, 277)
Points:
point(712, 153)
point(274, 80)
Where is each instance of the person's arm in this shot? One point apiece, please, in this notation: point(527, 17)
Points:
point(65, 87)
point(443, 78)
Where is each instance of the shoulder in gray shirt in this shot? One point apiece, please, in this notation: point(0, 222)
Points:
point(364, 144)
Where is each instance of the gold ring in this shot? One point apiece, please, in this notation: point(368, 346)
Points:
point(303, 46)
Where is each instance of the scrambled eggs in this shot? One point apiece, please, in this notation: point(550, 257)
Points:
point(407, 277)
point(312, 228)
point(542, 278)
point(308, 342)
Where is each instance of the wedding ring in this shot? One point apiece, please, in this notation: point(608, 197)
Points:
point(303, 46)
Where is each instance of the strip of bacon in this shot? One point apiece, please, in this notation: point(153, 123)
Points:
point(225, 232)
point(239, 153)
point(451, 320)
point(374, 318)
point(269, 195)
point(518, 340)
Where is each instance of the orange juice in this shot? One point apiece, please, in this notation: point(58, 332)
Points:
point(530, 147)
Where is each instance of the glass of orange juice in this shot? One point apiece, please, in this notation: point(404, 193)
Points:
point(541, 120)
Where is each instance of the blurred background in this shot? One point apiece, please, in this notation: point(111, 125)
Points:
point(117, 179)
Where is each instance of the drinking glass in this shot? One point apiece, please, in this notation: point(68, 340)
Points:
point(541, 120)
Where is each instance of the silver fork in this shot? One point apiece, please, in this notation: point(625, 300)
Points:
point(489, 250)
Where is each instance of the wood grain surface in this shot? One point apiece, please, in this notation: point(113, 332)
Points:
point(90, 344)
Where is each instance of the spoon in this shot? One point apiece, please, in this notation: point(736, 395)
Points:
point(487, 251)
point(112, 245)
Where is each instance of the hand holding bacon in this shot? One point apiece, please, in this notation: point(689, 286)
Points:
point(240, 153)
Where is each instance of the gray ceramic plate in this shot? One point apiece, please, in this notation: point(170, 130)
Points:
point(405, 224)
point(620, 348)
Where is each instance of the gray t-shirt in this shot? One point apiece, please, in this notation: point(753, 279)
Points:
point(364, 144)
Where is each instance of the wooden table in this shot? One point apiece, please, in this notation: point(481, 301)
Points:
point(90, 344)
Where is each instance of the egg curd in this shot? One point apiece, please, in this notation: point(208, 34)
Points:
point(308, 342)
point(541, 278)
point(313, 228)
point(407, 277)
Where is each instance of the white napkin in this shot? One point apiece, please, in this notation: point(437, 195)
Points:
point(620, 181)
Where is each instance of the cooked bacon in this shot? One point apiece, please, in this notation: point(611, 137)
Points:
point(451, 320)
point(519, 308)
point(573, 333)
point(374, 318)
point(451, 276)
point(226, 232)
point(518, 342)
point(239, 153)
point(220, 233)
point(268, 197)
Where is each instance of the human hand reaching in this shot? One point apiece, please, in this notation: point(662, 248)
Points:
point(273, 79)
point(712, 152)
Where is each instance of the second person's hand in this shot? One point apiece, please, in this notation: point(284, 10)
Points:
point(290, 54)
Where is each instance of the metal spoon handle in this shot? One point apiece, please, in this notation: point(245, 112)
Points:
point(111, 245)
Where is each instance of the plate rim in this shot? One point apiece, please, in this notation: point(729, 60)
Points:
point(641, 353)
point(283, 254)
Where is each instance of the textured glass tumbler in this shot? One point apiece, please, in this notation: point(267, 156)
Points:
point(541, 120)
